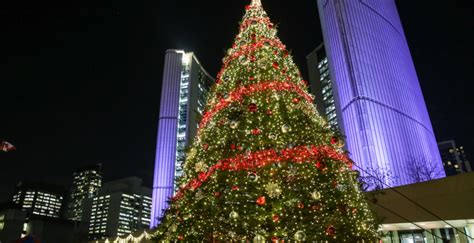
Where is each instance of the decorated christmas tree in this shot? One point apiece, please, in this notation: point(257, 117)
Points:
point(264, 165)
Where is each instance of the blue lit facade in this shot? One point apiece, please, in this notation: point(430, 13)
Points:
point(184, 88)
point(379, 103)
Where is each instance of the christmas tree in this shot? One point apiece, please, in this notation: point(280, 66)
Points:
point(264, 165)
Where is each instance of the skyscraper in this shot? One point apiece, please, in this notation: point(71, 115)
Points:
point(121, 207)
point(39, 199)
point(454, 158)
point(85, 184)
point(184, 88)
point(321, 85)
point(378, 97)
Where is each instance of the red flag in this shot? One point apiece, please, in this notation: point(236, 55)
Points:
point(6, 146)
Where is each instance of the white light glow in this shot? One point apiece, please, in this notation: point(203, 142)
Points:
point(187, 59)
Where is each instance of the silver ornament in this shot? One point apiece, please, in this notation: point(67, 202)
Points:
point(234, 124)
point(285, 128)
point(341, 187)
point(300, 236)
point(253, 177)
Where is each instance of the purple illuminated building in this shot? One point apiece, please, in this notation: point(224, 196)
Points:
point(379, 103)
point(185, 85)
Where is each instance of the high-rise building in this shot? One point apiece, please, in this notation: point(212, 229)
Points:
point(379, 102)
point(184, 88)
point(39, 199)
point(121, 208)
point(86, 183)
point(454, 158)
point(16, 223)
point(320, 85)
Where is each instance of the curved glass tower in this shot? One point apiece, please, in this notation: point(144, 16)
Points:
point(183, 92)
point(379, 102)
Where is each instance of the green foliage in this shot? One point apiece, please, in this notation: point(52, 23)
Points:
point(261, 104)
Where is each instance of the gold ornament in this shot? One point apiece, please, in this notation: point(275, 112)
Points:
point(285, 128)
point(258, 239)
point(272, 136)
point(192, 153)
point(234, 215)
point(300, 235)
point(276, 96)
point(273, 189)
point(290, 108)
point(316, 195)
point(199, 195)
point(200, 167)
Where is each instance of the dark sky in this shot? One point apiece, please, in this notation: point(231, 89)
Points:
point(81, 80)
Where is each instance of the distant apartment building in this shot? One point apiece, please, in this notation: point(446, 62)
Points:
point(183, 97)
point(120, 208)
point(86, 184)
point(320, 85)
point(39, 199)
point(453, 157)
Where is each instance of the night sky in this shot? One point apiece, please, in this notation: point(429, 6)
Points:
point(81, 80)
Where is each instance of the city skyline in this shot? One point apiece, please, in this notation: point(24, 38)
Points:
point(117, 125)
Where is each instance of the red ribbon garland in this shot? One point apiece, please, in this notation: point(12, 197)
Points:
point(249, 21)
point(246, 49)
point(259, 159)
point(239, 94)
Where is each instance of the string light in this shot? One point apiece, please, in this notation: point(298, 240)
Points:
point(252, 161)
point(130, 238)
point(240, 94)
point(264, 164)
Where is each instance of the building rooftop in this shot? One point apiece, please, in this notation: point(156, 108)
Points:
point(97, 167)
point(126, 185)
point(450, 199)
point(41, 186)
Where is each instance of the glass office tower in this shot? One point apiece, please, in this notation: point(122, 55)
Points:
point(320, 85)
point(184, 88)
point(86, 184)
point(454, 158)
point(39, 199)
point(122, 207)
